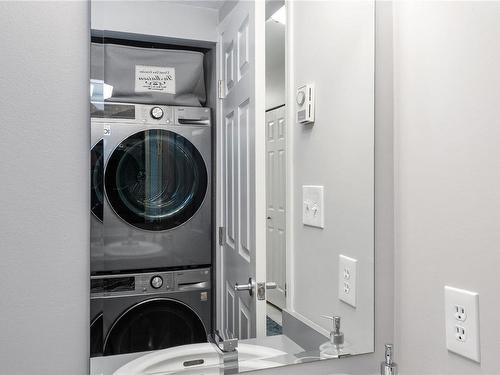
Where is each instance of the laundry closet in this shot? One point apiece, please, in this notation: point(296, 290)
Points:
point(153, 115)
point(178, 218)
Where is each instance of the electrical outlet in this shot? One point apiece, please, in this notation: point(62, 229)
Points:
point(347, 279)
point(460, 333)
point(347, 287)
point(462, 322)
point(460, 313)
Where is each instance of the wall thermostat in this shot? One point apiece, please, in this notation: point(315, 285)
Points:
point(305, 104)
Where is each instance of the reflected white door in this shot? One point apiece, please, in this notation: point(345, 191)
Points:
point(242, 167)
point(275, 203)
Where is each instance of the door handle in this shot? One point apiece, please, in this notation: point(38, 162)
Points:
point(261, 287)
point(250, 286)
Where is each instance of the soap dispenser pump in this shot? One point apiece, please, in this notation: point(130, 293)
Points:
point(335, 346)
point(388, 367)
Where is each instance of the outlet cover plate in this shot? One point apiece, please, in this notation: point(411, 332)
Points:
point(466, 321)
point(348, 270)
point(313, 206)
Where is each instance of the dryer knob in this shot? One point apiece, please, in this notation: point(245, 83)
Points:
point(156, 282)
point(156, 113)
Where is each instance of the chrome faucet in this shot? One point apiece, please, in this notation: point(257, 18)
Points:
point(227, 344)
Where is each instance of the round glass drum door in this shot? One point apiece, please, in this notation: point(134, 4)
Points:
point(152, 325)
point(156, 180)
point(96, 179)
point(96, 336)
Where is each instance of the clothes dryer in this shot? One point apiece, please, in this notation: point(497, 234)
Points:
point(96, 196)
point(157, 179)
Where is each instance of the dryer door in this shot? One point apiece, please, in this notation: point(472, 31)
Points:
point(96, 179)
point(156, 180)
point(154, 324)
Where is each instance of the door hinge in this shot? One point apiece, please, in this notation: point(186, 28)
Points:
point(220, 89)
point(285, 289)
point(221, 236)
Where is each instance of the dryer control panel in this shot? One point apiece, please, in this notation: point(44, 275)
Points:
point(153, 114)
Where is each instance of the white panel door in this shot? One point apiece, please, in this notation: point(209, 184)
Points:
point(242, 167)
point(275, 203)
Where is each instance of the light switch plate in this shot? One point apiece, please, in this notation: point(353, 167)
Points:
point(462, 322)
point(313, 206)
point(348, 271)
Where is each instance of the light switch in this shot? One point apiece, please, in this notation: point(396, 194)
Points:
point(348, 270)
point(313, 206)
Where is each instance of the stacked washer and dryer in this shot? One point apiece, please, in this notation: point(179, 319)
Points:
point(151, 229)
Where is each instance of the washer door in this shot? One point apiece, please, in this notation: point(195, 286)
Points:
point(96, 179)
point(96, 336)
point(154, 324)
point(156, 180)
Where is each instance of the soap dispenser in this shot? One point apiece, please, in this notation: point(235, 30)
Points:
point(388, 367)
point(333, 348)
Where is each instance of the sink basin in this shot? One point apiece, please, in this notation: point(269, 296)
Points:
point(199, 358)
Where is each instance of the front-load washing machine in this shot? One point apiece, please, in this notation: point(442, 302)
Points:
point(157, 179)
point(149, 311)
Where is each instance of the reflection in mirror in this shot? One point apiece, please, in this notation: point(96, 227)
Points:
point(275, 167)
point(232, 184)
point(96, 185)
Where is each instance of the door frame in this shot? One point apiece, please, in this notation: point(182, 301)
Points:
point(218, 204)
point(290, 122)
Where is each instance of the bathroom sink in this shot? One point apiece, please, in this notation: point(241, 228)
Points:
point(199, 358)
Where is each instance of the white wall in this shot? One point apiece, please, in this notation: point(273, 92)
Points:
point(160, 18)
point(44, 194)
point(447, 92)
point(333, 46)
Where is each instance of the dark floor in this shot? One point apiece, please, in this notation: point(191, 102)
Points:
point(273, 328)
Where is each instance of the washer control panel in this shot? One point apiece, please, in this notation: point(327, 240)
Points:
point(151, 282)
point(155, 282)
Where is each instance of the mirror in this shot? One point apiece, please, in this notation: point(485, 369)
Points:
point(232, 152)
